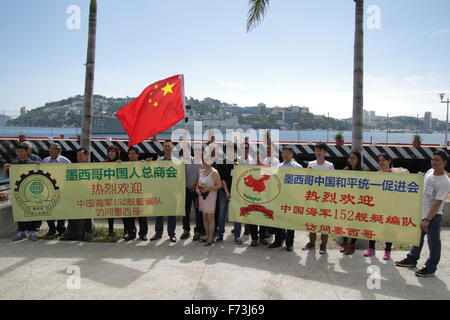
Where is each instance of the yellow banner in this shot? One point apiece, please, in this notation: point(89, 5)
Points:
point(97, 190)
point(356, 204)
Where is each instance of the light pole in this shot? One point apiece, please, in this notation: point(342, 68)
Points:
point(442, 95)
point(328, 127)
point(387, 129)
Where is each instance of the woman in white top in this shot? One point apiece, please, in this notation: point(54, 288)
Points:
point(208, 184)
point(385, 163)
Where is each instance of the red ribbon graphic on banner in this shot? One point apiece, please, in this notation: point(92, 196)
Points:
point(245, 211)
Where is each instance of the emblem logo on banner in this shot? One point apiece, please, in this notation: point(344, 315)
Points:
point(258, 186)
point(36, 193)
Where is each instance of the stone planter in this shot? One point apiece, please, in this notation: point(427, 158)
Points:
point(7, 225)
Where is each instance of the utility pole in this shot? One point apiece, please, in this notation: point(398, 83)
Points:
point(328, 127)
point(387, 129)
point(417, 129)
point(442, 95)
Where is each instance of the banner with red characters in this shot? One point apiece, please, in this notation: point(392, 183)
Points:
point(356, 204)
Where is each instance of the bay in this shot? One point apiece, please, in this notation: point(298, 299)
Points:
point(285, 135)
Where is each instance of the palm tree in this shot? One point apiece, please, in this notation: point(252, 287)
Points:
point(86, 129)
point(75, 229)
point(258, 9)
point(358, 78)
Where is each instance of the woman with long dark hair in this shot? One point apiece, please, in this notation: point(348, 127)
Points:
point(385, 163)
point(113, 155)
point(353, 163)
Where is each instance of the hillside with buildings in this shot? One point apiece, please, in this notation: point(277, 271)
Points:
point(68, 113)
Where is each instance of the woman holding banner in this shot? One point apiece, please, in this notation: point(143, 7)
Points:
point(208, 184)
point(353, 163)
point(113, 154)
point(385, 163)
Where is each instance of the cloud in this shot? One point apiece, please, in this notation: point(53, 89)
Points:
point(441, 32)
point(238, 86)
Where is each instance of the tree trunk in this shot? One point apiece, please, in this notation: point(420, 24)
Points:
point(358, 76)
point(75, 229)
point(89, 81)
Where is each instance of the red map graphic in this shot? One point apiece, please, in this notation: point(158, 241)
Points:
point(257, 185)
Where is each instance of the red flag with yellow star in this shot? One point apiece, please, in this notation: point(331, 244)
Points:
point(159, 107)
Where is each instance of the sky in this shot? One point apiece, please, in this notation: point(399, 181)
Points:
point(301, 54)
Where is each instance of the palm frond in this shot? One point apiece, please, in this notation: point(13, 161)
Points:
point(256, 12)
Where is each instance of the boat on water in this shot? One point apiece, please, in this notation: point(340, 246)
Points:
point(109, 124)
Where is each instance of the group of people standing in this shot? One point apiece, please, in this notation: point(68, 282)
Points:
point(208, 190)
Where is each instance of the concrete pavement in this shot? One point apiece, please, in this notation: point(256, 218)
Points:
point(189, 270)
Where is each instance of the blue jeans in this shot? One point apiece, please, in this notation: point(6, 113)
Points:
point(434, 244)
point(222, 216)
point(171, 224)
point(237, 230)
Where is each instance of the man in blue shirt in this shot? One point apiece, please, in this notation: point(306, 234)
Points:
point(24, 228)
point(31, 156)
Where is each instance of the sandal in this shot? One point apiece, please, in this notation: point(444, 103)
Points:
point(254, 243)
point(203, 239)
point(207, 244)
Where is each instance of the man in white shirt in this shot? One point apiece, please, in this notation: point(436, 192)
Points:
point(320, 163)
point(55, 157)
point(436, 189)
point(282, 234)
point(271, 160)
point(171, 220)
point(248, 159)
point(320, 151)
point(192, 174)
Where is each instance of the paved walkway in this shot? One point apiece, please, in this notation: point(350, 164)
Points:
point(187, 270)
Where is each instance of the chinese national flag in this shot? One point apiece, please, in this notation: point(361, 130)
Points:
point(159, 107)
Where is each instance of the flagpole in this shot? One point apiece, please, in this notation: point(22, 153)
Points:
point(185, 144)
point(182, 92)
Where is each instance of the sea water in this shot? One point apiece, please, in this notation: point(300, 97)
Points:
point(284, 135)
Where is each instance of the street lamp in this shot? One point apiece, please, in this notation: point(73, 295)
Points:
point(442, 95)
